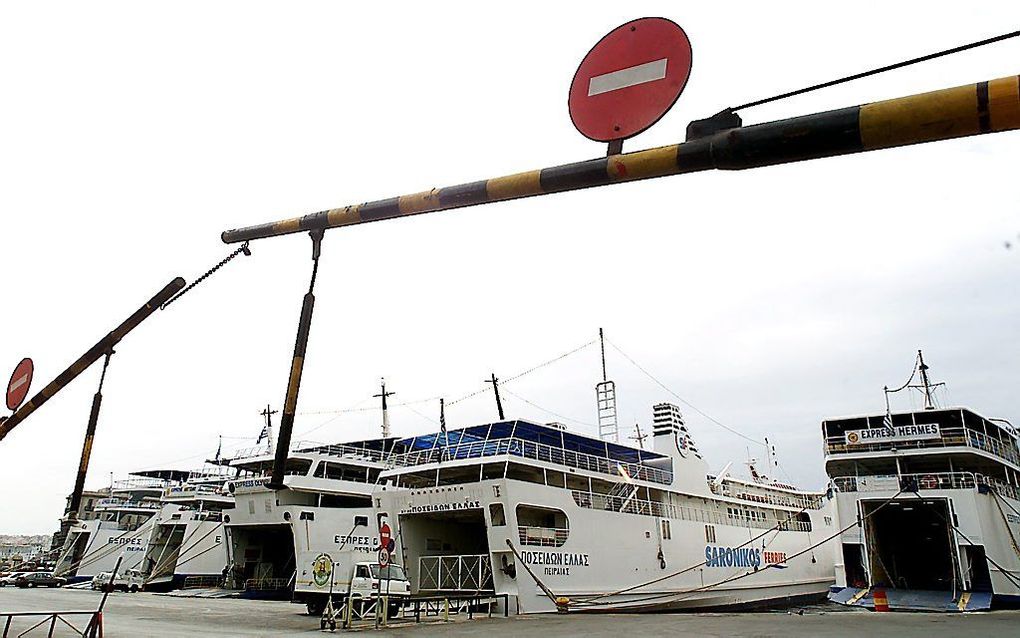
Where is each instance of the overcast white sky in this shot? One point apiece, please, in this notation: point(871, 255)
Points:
point(132, 134)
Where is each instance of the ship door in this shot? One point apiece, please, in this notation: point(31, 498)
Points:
point(910, 544)
point(446, 551)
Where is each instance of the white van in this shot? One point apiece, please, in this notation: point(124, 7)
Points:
point(127, 580)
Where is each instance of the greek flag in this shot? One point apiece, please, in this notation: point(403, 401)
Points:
point(263, 434)
point(887, 421)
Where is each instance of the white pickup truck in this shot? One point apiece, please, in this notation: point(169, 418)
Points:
point(127, 580)
point(367, 580)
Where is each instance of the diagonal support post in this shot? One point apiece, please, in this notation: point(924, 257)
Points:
point(296, 367)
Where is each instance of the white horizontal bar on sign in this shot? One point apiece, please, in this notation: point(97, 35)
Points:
point(20, 381)
point(631, 76)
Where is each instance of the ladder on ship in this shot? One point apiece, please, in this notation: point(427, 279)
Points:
point(605, 394)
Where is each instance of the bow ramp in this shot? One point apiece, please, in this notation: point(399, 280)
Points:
point(913, 599)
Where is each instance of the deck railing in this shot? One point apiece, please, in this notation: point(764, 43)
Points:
point(923, 481)
point(121, 503)
point(470, 572)
point(537, 451)
point(642, 507)
point(141, 483)
point(542, 536)
point(951, 437)
point(313, 447)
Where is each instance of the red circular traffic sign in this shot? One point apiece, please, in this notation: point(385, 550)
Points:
point(21, 380)
point(630, 79)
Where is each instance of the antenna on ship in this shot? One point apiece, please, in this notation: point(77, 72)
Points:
point(605, 398)
point(638, 436)
point(929, 401)
point(267, 429)
point(495, 388)
point(926, 387)
point(385, 410)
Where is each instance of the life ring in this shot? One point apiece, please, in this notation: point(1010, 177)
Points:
point(929, 482)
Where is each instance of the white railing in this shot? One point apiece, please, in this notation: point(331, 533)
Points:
point(472, 572)
point(314, 447)
point(783, 500)
point(542, 536)
point(923, 481)
point(951, 437)
point(267, 584)
point(641, 507)
point(139, 484)
point(195, 490)
point(120, 503)
point(536, 451)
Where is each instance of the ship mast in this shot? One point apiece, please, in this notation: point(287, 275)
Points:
point(929, 402)
point(385, 410)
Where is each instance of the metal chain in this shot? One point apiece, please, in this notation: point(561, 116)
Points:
point(243, 249)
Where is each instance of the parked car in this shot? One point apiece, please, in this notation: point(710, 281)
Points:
point(40, 579)
point(127, 580)
point(9, 579)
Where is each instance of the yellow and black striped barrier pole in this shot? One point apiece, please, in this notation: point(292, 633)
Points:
point(93, 354)
point(975, 109)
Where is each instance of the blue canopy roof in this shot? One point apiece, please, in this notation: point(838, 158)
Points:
point(527, 431)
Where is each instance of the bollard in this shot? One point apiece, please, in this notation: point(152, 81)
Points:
point(446, 610)
point(881, 600)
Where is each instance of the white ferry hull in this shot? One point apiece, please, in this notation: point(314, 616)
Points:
point(274, 545)
point(94, 546)
point(607, 551)
point(982, 522)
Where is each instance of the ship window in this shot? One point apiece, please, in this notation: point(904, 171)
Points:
point(493, 470)
point(497, 515)
point(542, 526)
point(709, 533)
point(665, 530)
point(554, 478)
point(251, 506)
point(525, 473)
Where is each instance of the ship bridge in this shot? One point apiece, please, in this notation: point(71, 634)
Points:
point(954, 447)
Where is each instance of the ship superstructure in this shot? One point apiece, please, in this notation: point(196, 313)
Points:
point(278, 538)
point(122, 527)
point(556, 518)
point(188, 544)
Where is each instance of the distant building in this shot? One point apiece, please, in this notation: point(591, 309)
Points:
point(10, 552)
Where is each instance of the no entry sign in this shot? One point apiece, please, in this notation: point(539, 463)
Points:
point(21, 380)
point(630, 79)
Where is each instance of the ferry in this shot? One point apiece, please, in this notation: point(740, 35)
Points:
point(300, 542)
point(188, 547)
point(161, 522)
point(563, 521)
point(935, 493)
point(125, 520)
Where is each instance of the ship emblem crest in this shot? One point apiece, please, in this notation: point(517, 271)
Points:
point(322, 569)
